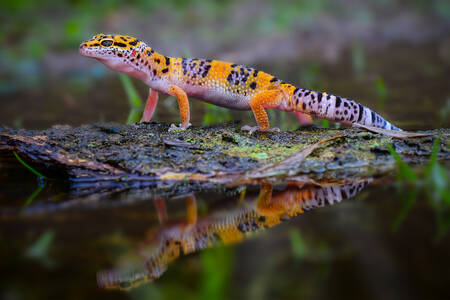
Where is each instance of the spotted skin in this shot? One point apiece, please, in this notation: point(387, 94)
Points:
point(176, 239)
point(222, 83)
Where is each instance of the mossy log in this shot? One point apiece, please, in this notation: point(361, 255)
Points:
point(221, 153)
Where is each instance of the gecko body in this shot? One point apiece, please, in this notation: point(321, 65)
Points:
point(221, 83)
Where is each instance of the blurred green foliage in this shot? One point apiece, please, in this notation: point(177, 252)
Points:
point(218, 264)
point(381, 92)
point(358, 59)
point(215, 114)
point(39, 249)
point(297, 243)
point(435, 183)
point(134, 101)
point(30, 168)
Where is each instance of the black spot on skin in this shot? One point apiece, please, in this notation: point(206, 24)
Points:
point(274, 79)
point(96, 45)
point(138, 56)
point(149, 53)
point(361, 109)
point(253, 85)
point(119, 54)
point(123, 38)
point(134, 43)
point(345, 112)
point(319, 97)
point(338, 101)
point(236, 82)
point(157, 60)
point(307, 94)
point(154, 72)
point(234, 65)
point(167, 60)
point(255, 73)
point(118, 44)
point(373, 116)
point(262, 219)
point(206, 71)
point(230, 78)
point(304, 105)
point(296, 90)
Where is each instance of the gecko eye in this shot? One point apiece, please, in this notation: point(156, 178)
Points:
point(106, 43)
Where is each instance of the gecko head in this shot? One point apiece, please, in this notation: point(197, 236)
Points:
point(118, 52)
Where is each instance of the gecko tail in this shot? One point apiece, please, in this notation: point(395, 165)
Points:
point(338, 109)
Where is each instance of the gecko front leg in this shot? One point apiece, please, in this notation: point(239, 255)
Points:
point(183, 104)
point(150, 106)
point(260, 101)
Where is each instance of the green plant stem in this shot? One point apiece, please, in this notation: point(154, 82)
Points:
point(28, 166)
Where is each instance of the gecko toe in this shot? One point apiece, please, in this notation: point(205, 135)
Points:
point(250, 129)
point(182, 127)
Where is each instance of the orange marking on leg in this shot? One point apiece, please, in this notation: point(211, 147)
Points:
point(183, 104)
point(191, 210)
point(264, 99)
point(264, 198)
point(150, 106)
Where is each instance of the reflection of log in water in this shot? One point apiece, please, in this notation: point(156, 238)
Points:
point(173, 240)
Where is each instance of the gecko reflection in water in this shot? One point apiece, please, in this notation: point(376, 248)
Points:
point(174, 239)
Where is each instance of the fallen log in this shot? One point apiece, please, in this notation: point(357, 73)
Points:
point(221, 153)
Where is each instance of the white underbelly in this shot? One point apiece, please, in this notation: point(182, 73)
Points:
point(220, 98)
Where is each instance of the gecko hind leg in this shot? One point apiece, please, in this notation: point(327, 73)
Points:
point(304, 119)
point(150, 106)
point(258, 103)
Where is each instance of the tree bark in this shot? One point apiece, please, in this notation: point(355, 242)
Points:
point(221, 153)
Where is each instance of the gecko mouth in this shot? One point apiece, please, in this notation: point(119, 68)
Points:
point(86, 51)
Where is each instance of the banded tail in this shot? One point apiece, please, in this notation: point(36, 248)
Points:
point(337, 109)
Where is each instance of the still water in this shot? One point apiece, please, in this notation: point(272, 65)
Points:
point(307, 238)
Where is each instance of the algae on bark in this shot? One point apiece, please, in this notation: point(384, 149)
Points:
point(220, 153)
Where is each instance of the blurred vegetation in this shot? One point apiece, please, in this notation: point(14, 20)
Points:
point(39, 250)
point(39, 39)
point(134, 101)
point(31, 30)
point(434, 182)
point(40, 180)
point(297, 244)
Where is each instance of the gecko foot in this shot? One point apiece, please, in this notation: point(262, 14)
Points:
point(174, 127)
point(252, 129)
